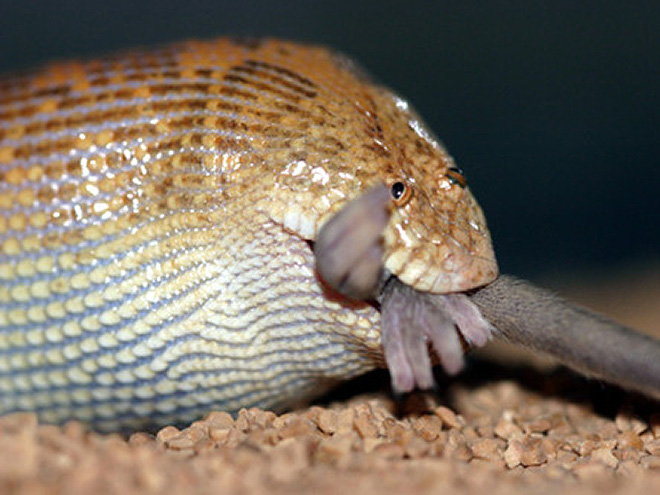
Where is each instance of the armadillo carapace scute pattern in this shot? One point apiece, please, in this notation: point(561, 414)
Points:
point(155, 208)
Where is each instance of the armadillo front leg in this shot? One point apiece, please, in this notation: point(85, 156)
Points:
point(234, 318)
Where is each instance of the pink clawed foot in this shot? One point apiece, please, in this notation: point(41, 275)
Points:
point(411, 319)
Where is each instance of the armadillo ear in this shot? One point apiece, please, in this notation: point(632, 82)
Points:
point(349, 247)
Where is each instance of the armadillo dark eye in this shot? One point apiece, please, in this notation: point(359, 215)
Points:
point(400, 193)
point(398, 189)
point(455, 176)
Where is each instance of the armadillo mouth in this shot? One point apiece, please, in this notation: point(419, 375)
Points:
point(444, 268)
point(411, 320)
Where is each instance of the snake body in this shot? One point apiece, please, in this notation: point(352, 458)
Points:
point(156, 214)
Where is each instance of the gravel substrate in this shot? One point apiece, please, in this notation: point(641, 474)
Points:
point(507, 440)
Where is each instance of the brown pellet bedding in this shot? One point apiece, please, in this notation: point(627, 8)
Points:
point(505, 439)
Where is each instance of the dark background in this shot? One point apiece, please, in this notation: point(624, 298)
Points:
point(551, 108)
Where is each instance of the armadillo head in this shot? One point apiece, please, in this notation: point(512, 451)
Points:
point(437, 239)
point(350, 134)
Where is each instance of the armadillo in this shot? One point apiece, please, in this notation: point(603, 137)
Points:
point(159, 211)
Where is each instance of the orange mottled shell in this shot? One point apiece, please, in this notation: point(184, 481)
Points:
point(155, 208)
point(92, 150)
